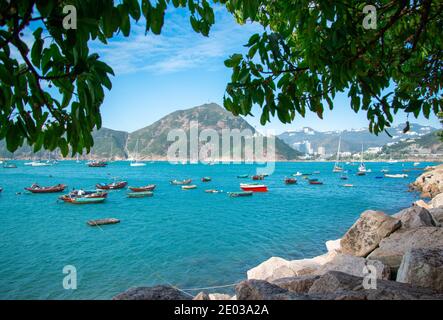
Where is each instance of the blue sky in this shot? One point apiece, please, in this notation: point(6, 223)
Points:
point(156, 75)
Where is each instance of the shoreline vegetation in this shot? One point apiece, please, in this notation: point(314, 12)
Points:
point(381, 257)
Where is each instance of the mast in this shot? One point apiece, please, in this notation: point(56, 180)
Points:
point(338, 152)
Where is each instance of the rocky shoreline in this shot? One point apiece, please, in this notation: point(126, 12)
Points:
point(381, 257)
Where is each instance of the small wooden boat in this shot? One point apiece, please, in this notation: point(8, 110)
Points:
point(144, 194)
point(254, 187)
point(191, 187)
point(315, 182)
point(88, 194)
point(83, 200)
point(150, 187)
point(243, 176)
point(258, 177)
point(290, 181)
point(240, 194)
point(111, 186)
point(213, 191)
point(97, 164)
point(396, 176)
point(102, 222)
point(35, 188)
point(206, 179)
point(181, 182)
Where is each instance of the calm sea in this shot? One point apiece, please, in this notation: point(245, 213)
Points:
point(185, 238)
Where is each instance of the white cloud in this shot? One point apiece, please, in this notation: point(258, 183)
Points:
point(178, 48)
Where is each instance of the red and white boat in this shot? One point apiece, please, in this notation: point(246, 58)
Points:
point(254, 187)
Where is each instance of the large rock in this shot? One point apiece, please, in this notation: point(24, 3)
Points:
point(277, 268)
point(437, 201)
point(300, 284)
point(263, 290)
point(421, 203)
point(392, 248)
point(437, 214)
point(430, 183)
point(367, 232)
point(202, 296)
point(415, 217)
point(356, 266)
point(339, 285)
point(153, 293)
point(422, 267)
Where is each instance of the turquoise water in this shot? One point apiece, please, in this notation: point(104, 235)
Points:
point(187, 238)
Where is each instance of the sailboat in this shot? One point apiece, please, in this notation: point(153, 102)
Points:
point(337, 167)
point(362, 168)
point(135, 163)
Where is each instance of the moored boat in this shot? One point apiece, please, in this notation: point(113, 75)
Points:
point(111, 186)
point(150, 187)
point(258, 177)
point(254, 187)
point(315, 182)
point(240, 194)
point(83, 200)
point(213, 191)
point(189, 187)
point(206, 179)
point(7, 165)
point(344, 177)
point(396, 176)
point(87, 194)
point(144, 194)
point(337, 166)
point(243, 176)
point(35, 188)
point(348, 185)
point(298, 174)
point(97, 164)
point(101, 222)
point(290, 181)
point(181, 182)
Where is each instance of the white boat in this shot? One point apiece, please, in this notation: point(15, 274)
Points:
point(416, 164)
point(396, 176)
point(136, 163)
point(392, 161)
point(337, 167)
point(384, 170)
point(37, 164)
point(362, 167)
point(1, 161)
point(298, 174)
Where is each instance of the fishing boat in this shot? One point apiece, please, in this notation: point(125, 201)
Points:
point(150, 187)
point(83, 200)
point(243, 176)
point(144, 194)
point(87, 194)
point(206, 179)
point(7, 165)
point(181, 182)
point(396, 176)
point(258, 177)
point(135, 163)
point(315, 182)
point(254, 187)
point(111, 186)
point(337, 166)
point(190, 187)
point(102, 222)
point(97, 164)
point(298, 174)
point(35, 188)
point(240, 194)
point(290, 181)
